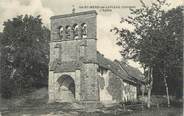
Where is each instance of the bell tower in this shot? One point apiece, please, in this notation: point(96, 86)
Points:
point(73, 51)
point(73, 36)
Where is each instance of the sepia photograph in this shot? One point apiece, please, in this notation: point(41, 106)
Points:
point(91, 57)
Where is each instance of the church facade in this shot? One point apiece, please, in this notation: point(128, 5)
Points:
point(78, 72)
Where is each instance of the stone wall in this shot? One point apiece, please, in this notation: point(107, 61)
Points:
point(54, 93)
point(114, 89)
point(81, 50)
point(51, 88)
point(89, 18)
point(89, 83)
point(103, 80)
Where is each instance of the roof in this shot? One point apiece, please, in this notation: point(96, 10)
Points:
point(108, 64)
point(74, 14)
point(132, 72)
point(121, 69)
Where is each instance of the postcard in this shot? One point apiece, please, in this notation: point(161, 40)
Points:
point(91, 57)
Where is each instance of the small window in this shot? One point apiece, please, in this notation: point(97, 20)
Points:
point(67, 31)
point(75, 31)
point(82, 51)
point(61, 32)
point(56, 51)
point(84, 30)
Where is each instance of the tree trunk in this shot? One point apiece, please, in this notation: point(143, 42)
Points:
point(143, 98)
point(150, 87)
point(12, 73)
point(149, 98)
point(166, 86)
point(167, 92)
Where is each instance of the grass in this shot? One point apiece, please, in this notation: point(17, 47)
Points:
point(158, 112)
point(28, 106)
point(64, 110)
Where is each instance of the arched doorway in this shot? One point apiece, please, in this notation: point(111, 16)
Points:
point(66, 90)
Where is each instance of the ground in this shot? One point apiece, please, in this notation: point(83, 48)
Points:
point(109, 112)
point(35, 104)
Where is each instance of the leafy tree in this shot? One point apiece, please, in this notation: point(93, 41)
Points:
point(25, 53)
point(169, 64)
point(155, 42)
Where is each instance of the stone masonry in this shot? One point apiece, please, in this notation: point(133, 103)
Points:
point(73, 54)
point(77, 71)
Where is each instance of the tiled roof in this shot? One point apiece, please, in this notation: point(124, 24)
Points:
point(108, 64)
point(132, 72)
point(121, 69)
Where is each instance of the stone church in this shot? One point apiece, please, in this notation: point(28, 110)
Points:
point(78, 72)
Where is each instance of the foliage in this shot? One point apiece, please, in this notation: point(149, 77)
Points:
point(25, 52)
point(156, 40)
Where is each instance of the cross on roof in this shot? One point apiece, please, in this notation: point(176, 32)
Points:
point(73, 10)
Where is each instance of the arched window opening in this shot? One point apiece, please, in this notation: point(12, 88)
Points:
point(75, 31)
point(67, 31)
point(61, 31)
point(84, 30)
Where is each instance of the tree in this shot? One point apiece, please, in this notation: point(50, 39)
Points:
point(170, 57)
point(25, 52)
point(153, 42)
point(0, 63)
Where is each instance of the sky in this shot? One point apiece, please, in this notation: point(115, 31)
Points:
point(106, 40)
